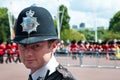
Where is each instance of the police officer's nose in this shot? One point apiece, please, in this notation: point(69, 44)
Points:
point(28, 51)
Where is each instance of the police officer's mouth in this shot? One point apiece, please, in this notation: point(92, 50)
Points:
point(30, 60)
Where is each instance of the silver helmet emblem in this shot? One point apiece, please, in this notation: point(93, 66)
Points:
point(29, 23)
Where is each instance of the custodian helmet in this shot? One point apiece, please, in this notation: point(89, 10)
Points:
point(34, 24)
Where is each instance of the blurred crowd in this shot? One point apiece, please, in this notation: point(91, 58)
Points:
point(90, 48)
point(9, 50)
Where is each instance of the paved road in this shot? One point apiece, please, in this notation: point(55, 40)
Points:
point(13, 71)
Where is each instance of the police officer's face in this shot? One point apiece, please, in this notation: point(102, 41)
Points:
point(34, 56)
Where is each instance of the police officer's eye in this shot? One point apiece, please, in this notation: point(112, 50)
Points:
point(37, 45)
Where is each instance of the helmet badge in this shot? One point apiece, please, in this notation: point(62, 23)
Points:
point(29, 23)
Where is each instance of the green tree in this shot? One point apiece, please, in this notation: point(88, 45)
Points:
point(110, 35)
point(89, 35)
point(4, 24)
point(102, 34)
point(72, 34)
point(115, 23)
point(65, 32)
point(64, 18)
point(114, 28)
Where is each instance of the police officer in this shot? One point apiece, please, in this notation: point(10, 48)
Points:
point(37, 41)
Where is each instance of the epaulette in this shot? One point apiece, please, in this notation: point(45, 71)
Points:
point(66, 74)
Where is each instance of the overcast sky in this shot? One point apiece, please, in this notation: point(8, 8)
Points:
point(91, 12)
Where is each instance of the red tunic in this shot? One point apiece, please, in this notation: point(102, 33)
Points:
point(2, 49)
point(74, 47)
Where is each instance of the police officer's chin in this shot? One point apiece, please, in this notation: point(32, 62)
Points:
point(32, 65)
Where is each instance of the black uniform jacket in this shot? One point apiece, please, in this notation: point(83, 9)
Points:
point(61, 73)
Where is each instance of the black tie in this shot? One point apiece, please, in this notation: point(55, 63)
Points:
point(30, 77)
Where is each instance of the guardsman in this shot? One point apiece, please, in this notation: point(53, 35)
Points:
point(2, 51)
point(74, 49)
point(9, 52)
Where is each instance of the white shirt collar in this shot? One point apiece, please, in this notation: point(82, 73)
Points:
point(42, 71)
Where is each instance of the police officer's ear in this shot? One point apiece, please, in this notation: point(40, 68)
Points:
point(53, 43)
